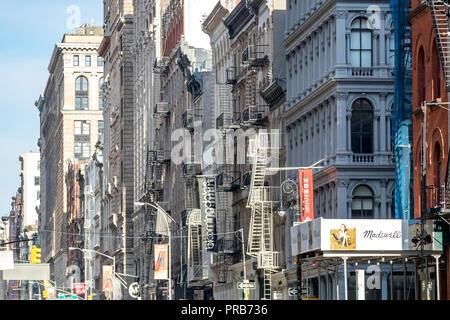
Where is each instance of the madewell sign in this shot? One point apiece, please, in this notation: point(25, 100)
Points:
point(350, 234)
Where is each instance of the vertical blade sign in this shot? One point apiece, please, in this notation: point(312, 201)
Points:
point(306, 189)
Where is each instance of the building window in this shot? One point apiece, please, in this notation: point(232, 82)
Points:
point(362, 127)
point(362, 203)
point(87, 61)
point(99, 61)
point(421, 75)
point(39, 165)
point(37, 180)
point(38, 195)
point(100, 99)
point(101, 129)
point(82, 139)
point(436, 72)
point(81, 93)
point(360, 44)
point(392, 47)
point(76, 61)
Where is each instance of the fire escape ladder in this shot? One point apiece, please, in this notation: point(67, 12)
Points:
point(267, 284)
point(438, 10)
point(262, 200)
point(194, 244)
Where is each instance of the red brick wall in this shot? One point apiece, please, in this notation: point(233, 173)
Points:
point(437, 118)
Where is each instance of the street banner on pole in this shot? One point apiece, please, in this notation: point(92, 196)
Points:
point(207, 192)
point(107, 278)
point(161, 262)
point(306, 189)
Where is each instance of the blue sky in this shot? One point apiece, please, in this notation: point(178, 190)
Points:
point(29, 30)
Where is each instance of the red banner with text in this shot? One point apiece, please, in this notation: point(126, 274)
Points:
point(306, 189)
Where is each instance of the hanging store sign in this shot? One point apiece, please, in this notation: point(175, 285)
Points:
point(80, 288)
point(306, 189)
point(207, 191)
point(161, 261)
point(107, 279)
point(350, 235)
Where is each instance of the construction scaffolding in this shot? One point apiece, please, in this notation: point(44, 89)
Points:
point(402, 111)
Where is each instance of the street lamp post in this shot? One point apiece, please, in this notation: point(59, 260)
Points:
point(102, 254)
point(282, 210)
point(154, 205)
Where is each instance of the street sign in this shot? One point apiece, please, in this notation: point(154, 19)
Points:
point(80, 288)
point(304, 291)
point(134, 290)
point(292, 291)
point(248, 285)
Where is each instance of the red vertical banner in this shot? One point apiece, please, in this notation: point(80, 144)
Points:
point(306, 189)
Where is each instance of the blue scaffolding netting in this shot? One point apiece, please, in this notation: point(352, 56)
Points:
point(402, 111)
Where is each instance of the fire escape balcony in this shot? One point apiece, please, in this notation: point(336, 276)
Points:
point(232, 181)
point(224, 121)
point(162, 108)
point(438, 199)
point(192, 169)
point(189, 117)
point(257, 55)
point(254, 115)
point(237, 120)
point(268, 260)
point(246, 180)
point(162, 156)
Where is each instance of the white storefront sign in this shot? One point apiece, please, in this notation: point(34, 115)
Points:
point(350, 235)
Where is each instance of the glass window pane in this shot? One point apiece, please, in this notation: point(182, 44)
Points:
point(355, 41)
point(366, 40)
point(86, 152)
point(77, 127)
point(86, 127)
point(355, 58)
point(356, 24)
point(85, 103)
point(367, 204)
point(77, 149)
point(366, 59)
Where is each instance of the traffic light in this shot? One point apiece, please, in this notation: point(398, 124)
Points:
point(35, 255)
point(44, 294)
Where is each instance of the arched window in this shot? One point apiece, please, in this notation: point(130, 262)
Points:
point(81, 93)
point(392, 46)
point(421, 75)
point(100, 89)
point(436, 72)
point(437, 173)
point(362, 203)
point(362, 127)
point(360, 44)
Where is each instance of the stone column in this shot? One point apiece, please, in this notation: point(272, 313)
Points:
point(341, 50)
point(383, 132)
point(342, 185)
point(341, 124)
point(376, 137)
point(383, 213)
